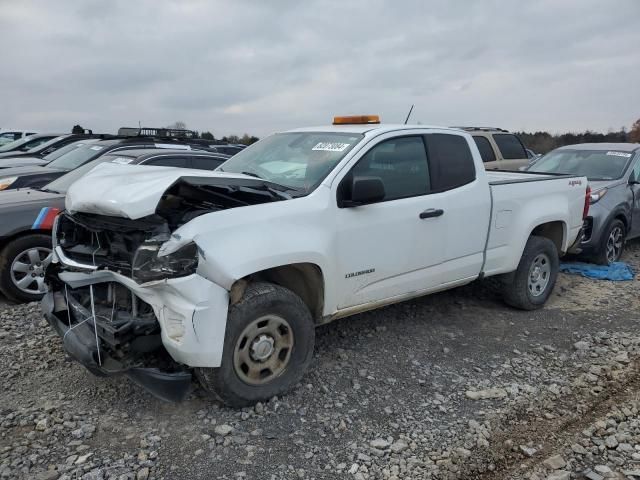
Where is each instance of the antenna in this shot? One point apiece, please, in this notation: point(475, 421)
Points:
point(408, 115)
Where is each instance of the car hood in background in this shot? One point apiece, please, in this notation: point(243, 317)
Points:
point(11, 198)
point(25, 171)
point(21, 161)
point(600, 184)
point(16, 153)
point(133, 191)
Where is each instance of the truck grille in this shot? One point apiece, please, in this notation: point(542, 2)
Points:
point(105, 242)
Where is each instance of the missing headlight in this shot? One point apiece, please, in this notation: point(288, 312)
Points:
point(147, 266)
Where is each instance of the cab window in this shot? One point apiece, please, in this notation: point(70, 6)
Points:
point(401, 164)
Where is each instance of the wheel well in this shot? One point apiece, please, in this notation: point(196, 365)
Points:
point(554, 231)
point(622, 217)
point(6, 240)
point(303, 279)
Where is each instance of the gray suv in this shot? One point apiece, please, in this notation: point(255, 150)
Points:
point(613, 170)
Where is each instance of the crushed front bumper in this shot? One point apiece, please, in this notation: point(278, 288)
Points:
point(191, 313)
point(80, 343)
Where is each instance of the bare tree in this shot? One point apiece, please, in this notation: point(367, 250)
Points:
point(634, 133)
point(179, 125)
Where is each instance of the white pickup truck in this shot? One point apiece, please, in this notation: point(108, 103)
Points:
point(159, 272)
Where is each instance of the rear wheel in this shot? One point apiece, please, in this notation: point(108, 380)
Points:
point(268, 346)
point(22, 266)
point(612, 244)
point(529, 287)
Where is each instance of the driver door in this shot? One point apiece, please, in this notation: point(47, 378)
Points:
point(384, 249)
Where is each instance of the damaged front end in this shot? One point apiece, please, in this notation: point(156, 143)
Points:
point(123, 307)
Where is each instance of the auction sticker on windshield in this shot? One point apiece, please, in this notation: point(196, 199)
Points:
point(619, 154)
point(122, 160)
point(331, 147)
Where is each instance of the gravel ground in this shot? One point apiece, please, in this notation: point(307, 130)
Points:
point(451, 386)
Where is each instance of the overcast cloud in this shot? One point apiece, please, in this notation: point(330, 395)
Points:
point(259, 67)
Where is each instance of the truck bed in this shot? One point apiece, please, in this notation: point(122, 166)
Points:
point(502, 177)
point(518, 202)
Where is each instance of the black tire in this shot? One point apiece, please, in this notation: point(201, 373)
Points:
point(260, 300)
point(517, 290)
point(9, 254)
point(602, 255)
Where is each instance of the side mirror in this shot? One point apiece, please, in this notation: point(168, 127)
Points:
point(365, 190)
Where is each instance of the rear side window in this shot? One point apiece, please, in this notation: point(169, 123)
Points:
point(510, 146)
point(486, 150)
point(206, 163)
point(401, 164)
point(450, 161)
point(168, 162)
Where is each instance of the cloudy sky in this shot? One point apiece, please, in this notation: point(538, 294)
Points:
point(251, 66)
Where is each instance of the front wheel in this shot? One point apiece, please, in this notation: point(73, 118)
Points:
point(529, 287)
point(268, 346)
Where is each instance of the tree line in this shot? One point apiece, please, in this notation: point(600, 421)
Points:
point(245, 139)
point(543, 142)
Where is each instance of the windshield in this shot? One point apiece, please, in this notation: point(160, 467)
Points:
point(25, 143)
point(62, 184)
point(76, 157)
point(43, 144)
point(68, 148)
point(593, 164)
point(299, 160)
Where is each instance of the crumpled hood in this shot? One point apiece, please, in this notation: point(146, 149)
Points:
point(129, 191)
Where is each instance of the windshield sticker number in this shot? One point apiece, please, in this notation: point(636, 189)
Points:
point(331, 147)
point(619, 154)
point(122, 160)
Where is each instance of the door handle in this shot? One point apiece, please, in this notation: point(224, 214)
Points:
point(431, 213)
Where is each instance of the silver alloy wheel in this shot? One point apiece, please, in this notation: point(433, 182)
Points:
point(263, 350)
point(539, 274)
point(614, 244)
point(27, 270)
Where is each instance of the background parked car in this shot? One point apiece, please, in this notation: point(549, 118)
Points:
point(51, 145)
point(613, 170)
point(27, 217)
point(36, 160)
point(26, 143)
point(8, 135)
point(35, 176)
point(499, 148)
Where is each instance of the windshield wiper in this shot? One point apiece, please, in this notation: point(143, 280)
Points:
point(252, 174)
point(48, 190)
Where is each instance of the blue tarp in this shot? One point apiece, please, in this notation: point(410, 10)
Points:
point(618, 271)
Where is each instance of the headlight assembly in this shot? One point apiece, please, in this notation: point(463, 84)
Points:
point(147, 266)
point(597, 196)
point(7, 182)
